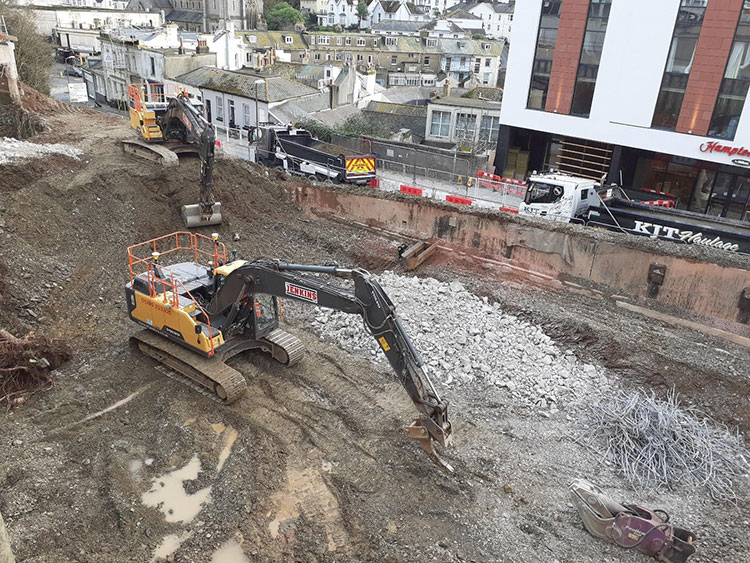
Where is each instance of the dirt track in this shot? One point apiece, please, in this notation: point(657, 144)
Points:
point(314, 464)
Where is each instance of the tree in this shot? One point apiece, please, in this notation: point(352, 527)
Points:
point(361, 11)
point(282, 16)
point(33, 53)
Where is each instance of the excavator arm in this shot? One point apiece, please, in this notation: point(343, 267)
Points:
point(182, 121)
point(376, 309)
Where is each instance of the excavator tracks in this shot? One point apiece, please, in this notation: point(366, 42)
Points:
point(286, 348)
point(211, 377)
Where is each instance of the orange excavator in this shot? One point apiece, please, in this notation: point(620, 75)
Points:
point(169, 124)
point(196, 317)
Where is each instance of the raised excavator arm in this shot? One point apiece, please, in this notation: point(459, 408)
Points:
point(368, 300)
point(182, 121)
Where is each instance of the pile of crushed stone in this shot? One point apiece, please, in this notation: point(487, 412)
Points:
point(12, 150)
point(464, 338)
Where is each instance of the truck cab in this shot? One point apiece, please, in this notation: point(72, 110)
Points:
point(558, 196)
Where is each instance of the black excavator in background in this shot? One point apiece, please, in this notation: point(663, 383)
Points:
point(197, 317)
point(169, 123)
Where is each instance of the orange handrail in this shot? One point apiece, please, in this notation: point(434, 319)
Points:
point(174, 242)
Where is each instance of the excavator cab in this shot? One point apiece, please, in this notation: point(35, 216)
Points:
point(265, 314)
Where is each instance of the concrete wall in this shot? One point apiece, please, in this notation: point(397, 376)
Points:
point(8, 72)
point(6, 556)
point(607, 261)
point(175, 65)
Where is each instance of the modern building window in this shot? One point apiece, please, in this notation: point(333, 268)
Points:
point(360, 42)
point(394, 59)
point(465, 126)
point(426, 61)
point(591, 53)
point(545, 51)
point(734, 86)
point(489, 128)
point(246, 115)
point(441, 124)
point(679, 63)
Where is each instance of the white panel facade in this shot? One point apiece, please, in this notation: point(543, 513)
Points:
point(633, 59)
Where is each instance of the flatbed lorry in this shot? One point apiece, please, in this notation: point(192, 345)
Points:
point(561, 197)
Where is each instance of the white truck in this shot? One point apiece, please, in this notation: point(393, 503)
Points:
point(558, 196)
point(561, 197)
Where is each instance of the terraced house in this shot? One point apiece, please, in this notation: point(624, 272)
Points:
point(414, 61)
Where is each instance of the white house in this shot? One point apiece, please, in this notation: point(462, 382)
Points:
point(341, 12)
point(134, 55)
point(228, 45)
point(313, 6)
point(398, 10)
point(497, 17)
point(78, 28)
point(234, 99)
point(446, 28)
point(432, 7)
point(466, 20)
point(471, 123)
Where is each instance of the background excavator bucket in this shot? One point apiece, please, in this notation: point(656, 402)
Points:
point(191, 216)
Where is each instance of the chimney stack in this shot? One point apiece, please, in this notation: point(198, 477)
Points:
point(202, 46)
point(447, 88)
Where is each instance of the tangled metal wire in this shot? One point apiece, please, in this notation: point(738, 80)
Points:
point(659, 443)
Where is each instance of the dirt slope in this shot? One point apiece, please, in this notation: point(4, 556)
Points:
point(312, 464)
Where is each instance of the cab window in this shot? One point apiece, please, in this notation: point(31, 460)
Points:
point(540, 192)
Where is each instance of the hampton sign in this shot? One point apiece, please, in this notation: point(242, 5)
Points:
point(729, 150)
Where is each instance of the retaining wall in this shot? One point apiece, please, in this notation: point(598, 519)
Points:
point(5, 554)
point(610, 262)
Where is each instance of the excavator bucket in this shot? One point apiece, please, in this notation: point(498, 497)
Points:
point(418, 431)
point(191, 216)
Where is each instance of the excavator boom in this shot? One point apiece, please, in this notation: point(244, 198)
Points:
point(196, 317)
point(378, 313)
point(182, 121)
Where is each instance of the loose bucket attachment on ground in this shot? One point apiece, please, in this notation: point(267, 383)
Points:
point(150, 151)
point(191, 216)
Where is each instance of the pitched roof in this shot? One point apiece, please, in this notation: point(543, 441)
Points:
point(442, 25)
point(462, 14)
point(397, 109)
point(467, 102)
point(398, 25)
point(390, 6)
point(414, 9)
point(275, 39)
point(504, 7)
point(243, 84)
point(185, 16)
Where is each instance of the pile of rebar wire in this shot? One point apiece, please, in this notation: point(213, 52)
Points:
point(661, 444)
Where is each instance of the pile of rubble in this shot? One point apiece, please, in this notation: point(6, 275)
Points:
point(12, 150)
point(464, 338)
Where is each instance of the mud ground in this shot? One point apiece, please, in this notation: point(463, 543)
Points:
point(311, 464)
